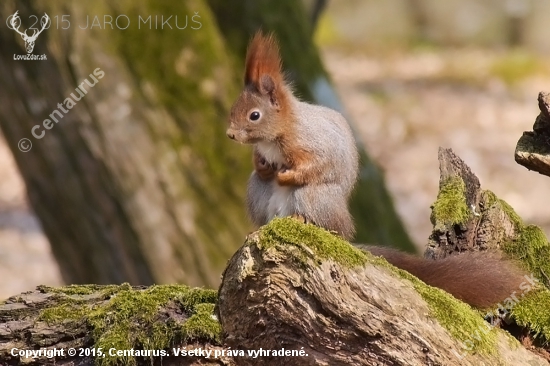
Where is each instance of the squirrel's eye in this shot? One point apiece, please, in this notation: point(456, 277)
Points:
point(254, 116)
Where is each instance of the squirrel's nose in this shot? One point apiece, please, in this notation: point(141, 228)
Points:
point(231, 135)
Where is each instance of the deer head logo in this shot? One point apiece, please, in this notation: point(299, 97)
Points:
point(15, 23)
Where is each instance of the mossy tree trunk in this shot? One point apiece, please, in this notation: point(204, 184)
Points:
point(343, 306)
point(94, 320)
point(137, 182)
point(466, 217)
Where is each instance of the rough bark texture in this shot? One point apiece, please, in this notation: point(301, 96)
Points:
point(365, 315)
point(280, 291)
point(125, 182)
point(485, 222)
point(24, 327)
point(533, 148)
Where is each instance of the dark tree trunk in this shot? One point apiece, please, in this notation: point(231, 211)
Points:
point(137, 182)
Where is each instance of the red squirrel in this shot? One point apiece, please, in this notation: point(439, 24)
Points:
point(305, 155)
point(306, 165)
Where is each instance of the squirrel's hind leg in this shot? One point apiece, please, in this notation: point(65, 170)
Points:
point(326, 206)
point(258, 194)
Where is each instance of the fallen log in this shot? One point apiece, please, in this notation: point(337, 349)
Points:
point(300, 288)
point(91, 325)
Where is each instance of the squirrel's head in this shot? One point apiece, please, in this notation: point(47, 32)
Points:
point(262, 108)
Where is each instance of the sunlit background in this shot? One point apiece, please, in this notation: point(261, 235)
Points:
point(413, 75)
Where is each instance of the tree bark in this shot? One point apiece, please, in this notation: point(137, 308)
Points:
point(126, 181)
point(280, 292)
point(367, 315)
point(487, 225)
point(24, 327)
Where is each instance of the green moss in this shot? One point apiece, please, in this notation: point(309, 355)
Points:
point(518, 222)
point(492, 201)
point(458, 318)
point(308, 242)
point(533, 312)
point(530, 246)
point(532, 249)
point(203, 324)
point(451, 208)
point(289, 235)
point(532, 237)
point(128, 318)
point(79, 289)
point(67, 311)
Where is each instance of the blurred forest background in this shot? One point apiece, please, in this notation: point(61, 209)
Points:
point(139, 182)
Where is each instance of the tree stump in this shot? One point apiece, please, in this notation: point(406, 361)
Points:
point(466, 217)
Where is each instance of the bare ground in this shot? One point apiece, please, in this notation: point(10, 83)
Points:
point(405, 106)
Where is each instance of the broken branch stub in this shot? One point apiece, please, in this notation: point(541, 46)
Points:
point(464, 216)
point(533, 147)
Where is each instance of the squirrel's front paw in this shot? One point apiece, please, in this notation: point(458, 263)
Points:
point(285, 177)
point(265, 170)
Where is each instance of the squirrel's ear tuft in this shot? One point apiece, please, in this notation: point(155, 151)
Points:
point(262, 58)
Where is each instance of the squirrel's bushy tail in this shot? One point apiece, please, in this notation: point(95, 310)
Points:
point(480, 279)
